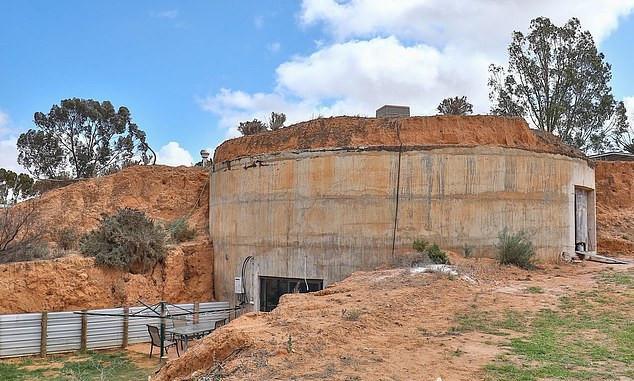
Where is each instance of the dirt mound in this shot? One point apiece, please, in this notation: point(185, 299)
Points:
point(615, 206)
point(74, 282)
point(163, 193)
point(395, 324)
point(413, 133)
point(225, 344)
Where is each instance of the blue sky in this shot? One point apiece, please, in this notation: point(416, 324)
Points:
point(189, 70)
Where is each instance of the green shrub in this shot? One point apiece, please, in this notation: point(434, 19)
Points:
point(420, 245)
point(432, 252)
point(436, 255)
point(180, 231)
point(534, 290)
point(127, 240)
point(467, 251)
point(67, 238)
point(515, 249)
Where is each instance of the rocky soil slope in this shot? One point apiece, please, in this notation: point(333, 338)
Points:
point(163, 193)
point(73, 282)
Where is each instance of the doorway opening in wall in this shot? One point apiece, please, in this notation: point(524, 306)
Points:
point(582, 195)
point(271, 288)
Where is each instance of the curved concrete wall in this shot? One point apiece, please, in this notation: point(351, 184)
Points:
point(324, 214)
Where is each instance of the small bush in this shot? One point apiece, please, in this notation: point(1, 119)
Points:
point(180, 231)
point(32, 250)
point(436, 255)
point(420, 245)
point(67, 238)
point(289, 344)
point(20, 231)
point(467, 251)
point(534, 290)
point(351, 315)
point(277, 120)
point(118, 291)
point(252, 127)
point(515, 249)
point(127, 240)
point(432, 252)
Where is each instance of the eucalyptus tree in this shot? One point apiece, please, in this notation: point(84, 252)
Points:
point(81, 138)
point(560, 82)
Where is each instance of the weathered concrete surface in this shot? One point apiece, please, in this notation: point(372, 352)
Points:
point(325, 214)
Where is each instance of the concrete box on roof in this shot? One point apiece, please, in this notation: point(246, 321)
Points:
point(391, 111)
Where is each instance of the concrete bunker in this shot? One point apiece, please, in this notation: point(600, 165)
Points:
point(319, 200)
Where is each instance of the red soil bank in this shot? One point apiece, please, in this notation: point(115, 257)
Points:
point(422, 132)
point(615, 206)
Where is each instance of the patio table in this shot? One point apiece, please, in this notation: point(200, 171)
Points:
point(191, 330)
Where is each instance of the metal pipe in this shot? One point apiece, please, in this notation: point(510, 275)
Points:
point(163, 357)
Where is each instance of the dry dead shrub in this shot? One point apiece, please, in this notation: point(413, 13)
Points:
point(180, 231)
point(351, 315)
point(21, 234)
point(119, 294)
point(67, 238)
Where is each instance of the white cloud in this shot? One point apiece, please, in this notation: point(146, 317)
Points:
point(169, 14)
point(236, 106)
point(4, 119)
point(354, 77)
point(173, 154)
point(358, 73)
point(8, 149)
point(258, 22)
point(414, 52)
point(9, 154)
point(629, 106)
point(482, 23)
point(274, 47)
point(4, 124)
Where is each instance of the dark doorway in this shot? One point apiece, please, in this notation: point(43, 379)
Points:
point(271, 288)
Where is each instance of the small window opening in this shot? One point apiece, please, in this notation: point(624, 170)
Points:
point(272, 288)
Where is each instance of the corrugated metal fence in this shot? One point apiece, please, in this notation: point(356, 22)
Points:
point(21, 334)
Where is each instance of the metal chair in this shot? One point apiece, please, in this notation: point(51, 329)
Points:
point(155, 337)
point(177, 323)
point(220, 323)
